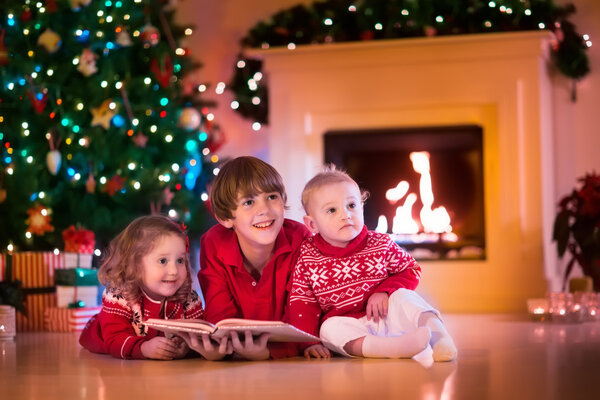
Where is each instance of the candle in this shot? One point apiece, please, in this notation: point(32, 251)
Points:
point(538, 309)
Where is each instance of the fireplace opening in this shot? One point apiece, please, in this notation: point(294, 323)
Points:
point(425, 185)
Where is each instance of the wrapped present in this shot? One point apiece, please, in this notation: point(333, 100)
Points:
point(78, 296)
point(36, 272)
point(79, 240)
point(78, 260)
point(58, 319)
point(76, 277)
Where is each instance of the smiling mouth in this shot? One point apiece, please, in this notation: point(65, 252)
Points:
point(263, 225)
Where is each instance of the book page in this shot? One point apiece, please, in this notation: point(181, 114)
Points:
point(180, 325)
point(278, 331)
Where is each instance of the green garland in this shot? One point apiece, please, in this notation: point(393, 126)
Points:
point(343, 20)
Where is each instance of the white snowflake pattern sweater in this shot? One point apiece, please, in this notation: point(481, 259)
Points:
point(332, 281)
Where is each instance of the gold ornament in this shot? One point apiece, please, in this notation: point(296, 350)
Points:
point(102, 114)
point(49, 40)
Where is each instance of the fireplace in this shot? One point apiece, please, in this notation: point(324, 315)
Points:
point(435, 213)
point(497, 84)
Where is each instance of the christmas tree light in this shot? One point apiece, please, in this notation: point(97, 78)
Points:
point(92, 128)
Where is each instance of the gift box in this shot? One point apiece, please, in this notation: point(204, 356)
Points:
point(36, 272)
point(78, 260)
point(76, 277)
point(58, 319)
point(82, 296)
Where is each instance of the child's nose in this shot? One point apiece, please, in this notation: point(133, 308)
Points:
point(261, 206)
point(171, 268)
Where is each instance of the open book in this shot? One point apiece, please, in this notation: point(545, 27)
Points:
point(280, 331)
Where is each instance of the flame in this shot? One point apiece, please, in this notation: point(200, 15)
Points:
point(434, 220)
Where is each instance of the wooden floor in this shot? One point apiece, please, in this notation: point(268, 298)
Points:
point(500, 357)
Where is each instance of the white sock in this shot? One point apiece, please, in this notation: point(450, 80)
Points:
point(441, 342)
point(404, 346)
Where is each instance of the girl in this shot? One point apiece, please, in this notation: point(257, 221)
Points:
point(147, 275)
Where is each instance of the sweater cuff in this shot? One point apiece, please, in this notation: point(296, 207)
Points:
point(283, 350)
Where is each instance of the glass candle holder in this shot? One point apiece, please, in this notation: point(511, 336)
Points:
point(578, 310)
point(7, 322)
point(539, 309)
point(560, 306)
point(593, 306)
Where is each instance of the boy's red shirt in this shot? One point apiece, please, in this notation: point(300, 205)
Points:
point(231, 292)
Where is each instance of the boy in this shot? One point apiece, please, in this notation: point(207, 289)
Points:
point(246, 260)
point(359, 281)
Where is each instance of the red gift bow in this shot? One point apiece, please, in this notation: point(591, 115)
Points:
point(78, 237)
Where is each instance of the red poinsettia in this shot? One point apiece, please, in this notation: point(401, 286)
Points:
point(577, 228)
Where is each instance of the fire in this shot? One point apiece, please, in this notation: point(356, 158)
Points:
point(433, 220)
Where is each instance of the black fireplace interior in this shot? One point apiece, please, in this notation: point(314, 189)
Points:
point(379, 159)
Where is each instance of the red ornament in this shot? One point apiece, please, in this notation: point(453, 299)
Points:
point(150, 35)
point(216, 140)
point(140, 140)
point(162, 72)
point(26, 15)
point(51, 6)
point(115, 184)
point(38, 104)
point(3, 52)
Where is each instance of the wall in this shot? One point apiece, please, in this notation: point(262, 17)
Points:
point(220, 24)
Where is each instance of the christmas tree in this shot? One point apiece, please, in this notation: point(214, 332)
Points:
point(99, 120)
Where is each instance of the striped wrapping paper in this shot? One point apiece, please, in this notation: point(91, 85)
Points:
point(58, 319)
point(36, 271)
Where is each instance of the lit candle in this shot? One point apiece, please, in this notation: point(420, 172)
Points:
point(538, 309)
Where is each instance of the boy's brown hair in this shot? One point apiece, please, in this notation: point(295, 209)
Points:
point(329, 174)
point(121, 266)
point(247, 176)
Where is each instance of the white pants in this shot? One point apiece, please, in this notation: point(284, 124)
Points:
point(404, 309)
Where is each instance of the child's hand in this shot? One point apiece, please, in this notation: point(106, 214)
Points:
point(182, 347)
point(206, 347)
point(251, 349)
point(317, 351)
point(377, 306)
point(160, 348)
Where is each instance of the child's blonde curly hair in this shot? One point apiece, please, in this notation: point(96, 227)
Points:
point(121, 267)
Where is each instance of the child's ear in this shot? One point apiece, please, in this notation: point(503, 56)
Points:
point(310, 224)
point(227, 223)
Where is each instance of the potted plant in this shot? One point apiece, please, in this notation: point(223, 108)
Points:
point(577, 228)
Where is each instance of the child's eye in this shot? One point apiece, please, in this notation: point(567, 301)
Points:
point(352, 206)
point(181, 260)
point(162, 261)
point(273, 196)
point(330, 210)
point(247, 203)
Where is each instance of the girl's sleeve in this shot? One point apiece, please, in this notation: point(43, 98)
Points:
point(120, 339)
point(403, 270)
point(218, 299)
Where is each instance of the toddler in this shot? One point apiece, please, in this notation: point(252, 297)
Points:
point(358, 283)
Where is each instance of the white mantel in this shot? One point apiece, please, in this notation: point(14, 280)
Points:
point(497, 81)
